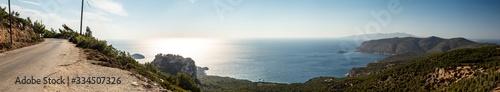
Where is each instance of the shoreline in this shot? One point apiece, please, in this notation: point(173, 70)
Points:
point(289, 82)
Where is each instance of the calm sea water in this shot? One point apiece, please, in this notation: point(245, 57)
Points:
point(271, 60)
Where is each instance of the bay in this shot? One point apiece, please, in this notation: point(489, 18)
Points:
point(270, 60)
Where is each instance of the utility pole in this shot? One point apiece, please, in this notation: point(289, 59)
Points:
point(10, 28)
point(81, 19)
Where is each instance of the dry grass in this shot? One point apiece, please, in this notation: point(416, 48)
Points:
point(22, 37)
point(95, 55)
point(99, 58)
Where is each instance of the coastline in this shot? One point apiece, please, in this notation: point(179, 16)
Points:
point(280, 60)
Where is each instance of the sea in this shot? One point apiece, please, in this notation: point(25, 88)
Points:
point(262, 60)
point(259, 60)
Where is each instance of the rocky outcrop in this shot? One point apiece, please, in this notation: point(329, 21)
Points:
point(201, 70)
point(393, 46)
point(446, 76)
point(174, 64)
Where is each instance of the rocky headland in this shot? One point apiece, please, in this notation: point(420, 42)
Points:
point(173, 64)
point(407, 49)
point(392, 46)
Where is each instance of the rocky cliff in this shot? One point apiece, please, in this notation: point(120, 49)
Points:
point(174, 64)
point(392, 46)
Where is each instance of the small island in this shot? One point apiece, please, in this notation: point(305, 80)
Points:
point(341, 52)
point(137, 56)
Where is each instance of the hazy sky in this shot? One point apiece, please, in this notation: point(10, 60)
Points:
point(119, 19)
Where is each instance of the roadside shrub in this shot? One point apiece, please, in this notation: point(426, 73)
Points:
point(187, 82)
point(51, 34)
point(6, 45)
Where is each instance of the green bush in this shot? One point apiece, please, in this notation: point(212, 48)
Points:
point(51, 34)
point(187, 82)
point(38, 27)
point(6, 45)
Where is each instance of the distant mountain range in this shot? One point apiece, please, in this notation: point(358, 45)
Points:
point(366, 37)
point(398, 45)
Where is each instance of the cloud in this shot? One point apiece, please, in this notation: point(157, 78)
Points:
point(22, 10)
point(95, 17)
point(192, 1)
point(97, 20)
point(29, 2)
point(109, 6)
point(51, 20)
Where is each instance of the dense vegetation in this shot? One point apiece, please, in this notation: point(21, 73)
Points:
point(414, 76)
point(387, 63)
point(468, 70)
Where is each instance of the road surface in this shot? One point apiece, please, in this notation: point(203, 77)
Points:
point(38, 61)
point(54, 58)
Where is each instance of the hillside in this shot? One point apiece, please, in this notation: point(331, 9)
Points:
point(23, 34)
point(386, 64)
point(470, 70)
point(432, 44)
point(366, 37)
point(460, 70)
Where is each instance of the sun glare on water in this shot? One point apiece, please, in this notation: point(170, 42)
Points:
point(187, 47)
point(206, 52)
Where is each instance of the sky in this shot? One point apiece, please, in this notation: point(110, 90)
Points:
point(150, 19)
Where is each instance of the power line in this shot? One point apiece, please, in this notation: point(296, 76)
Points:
point(98, 18)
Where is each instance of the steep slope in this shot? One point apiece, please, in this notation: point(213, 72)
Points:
point(459, 70)
point(392, 46)
point(428, 43)
point(23, 32)
point(454, 43)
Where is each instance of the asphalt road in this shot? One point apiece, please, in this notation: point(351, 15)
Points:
point(39, 61)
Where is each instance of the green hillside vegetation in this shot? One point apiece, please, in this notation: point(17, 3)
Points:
point(387, 63)
point(470, 70)
point(415, 75)
point(391, 46)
